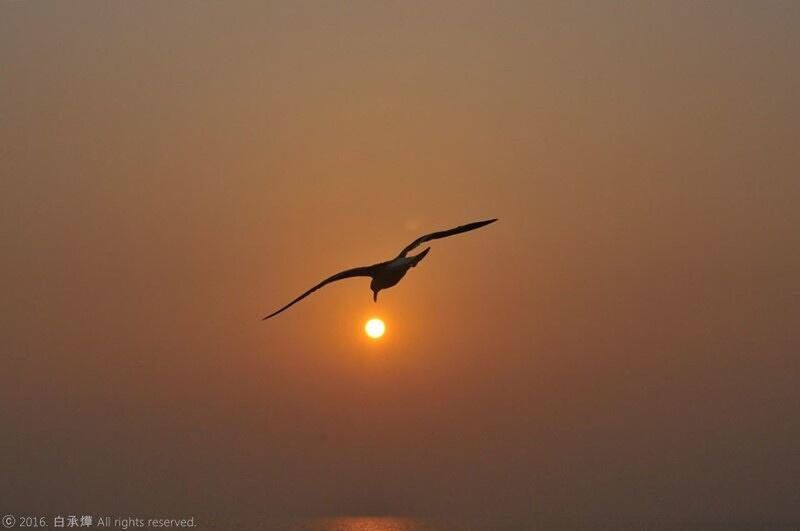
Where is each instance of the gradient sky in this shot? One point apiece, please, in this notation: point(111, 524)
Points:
point(622, 344)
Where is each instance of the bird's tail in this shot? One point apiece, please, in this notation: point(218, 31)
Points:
point(417, 257)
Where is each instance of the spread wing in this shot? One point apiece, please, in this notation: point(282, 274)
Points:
point(366, 271)
point(444, 234)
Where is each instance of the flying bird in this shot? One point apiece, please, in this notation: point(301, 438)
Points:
point(387, 274)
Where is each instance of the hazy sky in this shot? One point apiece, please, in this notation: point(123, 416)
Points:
point(622, 344)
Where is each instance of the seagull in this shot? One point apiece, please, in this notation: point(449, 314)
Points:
point(387, 274)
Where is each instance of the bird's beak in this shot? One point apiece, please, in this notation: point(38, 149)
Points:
point(375, 296)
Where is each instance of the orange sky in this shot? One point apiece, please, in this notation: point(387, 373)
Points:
point(623, 342)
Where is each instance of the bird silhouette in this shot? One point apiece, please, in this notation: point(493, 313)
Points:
point(387, 274)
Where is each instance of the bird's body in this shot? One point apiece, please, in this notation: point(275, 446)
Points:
point(387, 274)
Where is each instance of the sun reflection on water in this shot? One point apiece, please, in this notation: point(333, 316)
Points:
point(371, 523)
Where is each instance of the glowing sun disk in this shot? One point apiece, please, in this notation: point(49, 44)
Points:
point(375, 328)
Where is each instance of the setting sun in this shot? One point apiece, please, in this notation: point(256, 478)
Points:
point(375, 328)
